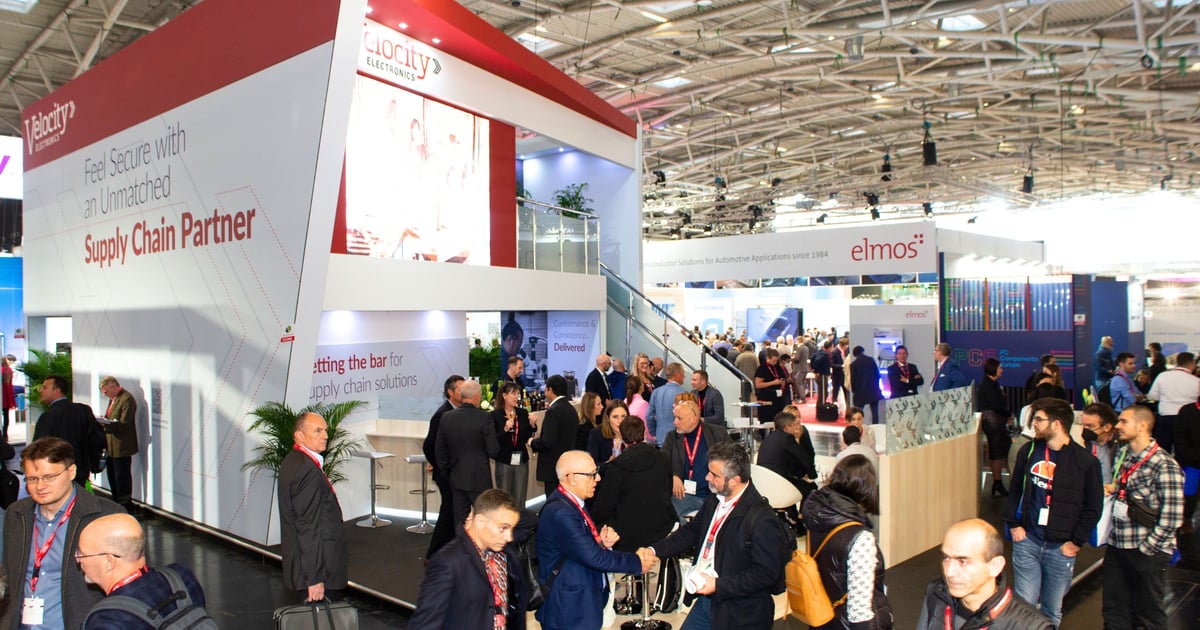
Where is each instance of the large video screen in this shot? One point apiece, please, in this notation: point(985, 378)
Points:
point(416, 178)
point(773, 323)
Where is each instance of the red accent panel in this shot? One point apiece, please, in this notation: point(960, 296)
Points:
point(503, 160)
point(338, 243)
point(468, 37)
point(210, 46)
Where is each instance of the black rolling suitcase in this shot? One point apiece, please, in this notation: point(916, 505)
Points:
point(324, 615)
point(827, 412)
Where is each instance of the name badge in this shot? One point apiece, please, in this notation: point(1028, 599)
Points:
point(779, 393)
point(516, 459)
point(33, 611)
point(1044, 516)
point(1121, 511)
point(689, 486)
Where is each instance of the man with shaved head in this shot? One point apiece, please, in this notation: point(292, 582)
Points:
point(310, 519)
point(971, 592)
point(111, 554)
point(1148, 485)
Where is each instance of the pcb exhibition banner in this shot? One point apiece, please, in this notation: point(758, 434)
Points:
point(867, 249)
point(171, 224)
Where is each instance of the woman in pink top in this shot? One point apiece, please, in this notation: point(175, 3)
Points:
point(635, 399)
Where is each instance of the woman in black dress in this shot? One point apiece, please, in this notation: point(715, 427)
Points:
point(513, 431)
point(771, 386)
point(995, 416)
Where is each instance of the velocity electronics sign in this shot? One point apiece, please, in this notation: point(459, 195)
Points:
point(11, 159)
point(172, 225)
point(869, 249)
point(396, 58)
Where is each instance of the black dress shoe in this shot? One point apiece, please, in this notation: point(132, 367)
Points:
point(998, 488)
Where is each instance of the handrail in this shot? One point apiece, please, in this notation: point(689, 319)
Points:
point(650, 333)
point(586, 218)
point(560, 209)
point(722, 361)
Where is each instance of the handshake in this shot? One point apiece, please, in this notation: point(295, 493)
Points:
point(647, 556)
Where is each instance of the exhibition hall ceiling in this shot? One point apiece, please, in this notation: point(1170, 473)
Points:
point(766, 115)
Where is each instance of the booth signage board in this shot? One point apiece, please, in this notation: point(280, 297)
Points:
point(1020, 353)
point(397, 379)
point(11, 160)
point(574, 342)
point(394, 57)
point(871, 249)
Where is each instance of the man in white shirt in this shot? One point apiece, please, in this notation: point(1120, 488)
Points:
point(852, 438)
point(1173, 389)
point(731, 582)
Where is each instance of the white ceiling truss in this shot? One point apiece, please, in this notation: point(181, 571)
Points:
point(1092, 96)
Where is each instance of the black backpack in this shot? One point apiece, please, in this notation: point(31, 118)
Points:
point(757, 512)
point(1104, 394)
point(187, 615)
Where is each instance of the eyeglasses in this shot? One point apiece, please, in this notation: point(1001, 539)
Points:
point(1041, 419)
point(81, 556)
point(587, 474)
point(33, 481)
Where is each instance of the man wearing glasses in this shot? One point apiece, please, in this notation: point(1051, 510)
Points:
point(1055, 502)
point(111, 554)
point(41, 535)
point(573, 555)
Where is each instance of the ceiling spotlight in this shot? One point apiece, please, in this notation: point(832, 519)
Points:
point(928, 208)
point(929, 147)
point(821, 219)
point(1027, 183)
point(660, 177)
point(854, 48)
point(874, 213)
point(776, 181)
point(887, 168)
point(720, 182)
point(872, 198)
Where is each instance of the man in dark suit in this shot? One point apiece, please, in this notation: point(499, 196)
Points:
point(558, 432)
point(310, 519)
point(466, 443)
point(443, 531)
point(457, 591)
point(688, 447)
point(730, 584)
point(948, 374)
point(597, 381)
point(569, 541)
point(788, 451)
point(903, 377)
point(72, 422)
point(712, 403)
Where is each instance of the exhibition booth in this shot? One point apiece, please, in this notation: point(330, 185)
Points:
point(311, 212)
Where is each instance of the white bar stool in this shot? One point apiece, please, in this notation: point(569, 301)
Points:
point(373, 520)
point(424, 527)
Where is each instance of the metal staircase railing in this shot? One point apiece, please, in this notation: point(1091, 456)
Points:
point(649, 326)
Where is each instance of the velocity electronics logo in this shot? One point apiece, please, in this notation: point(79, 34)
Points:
point(898, 250)
point(43, 129)
point(396, 55)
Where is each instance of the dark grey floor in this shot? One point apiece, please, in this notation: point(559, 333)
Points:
point(244, 587)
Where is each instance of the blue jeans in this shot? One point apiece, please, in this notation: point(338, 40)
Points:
point(700, 617)
point(688, 504)
point(1042, 572)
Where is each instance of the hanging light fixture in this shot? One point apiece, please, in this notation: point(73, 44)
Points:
point(1027, 181)
point(887, 168)
point(928, 208)
point(929, 147)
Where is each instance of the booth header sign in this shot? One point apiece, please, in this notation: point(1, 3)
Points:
point(872, 249)
point(396, 58)
point(10, 167)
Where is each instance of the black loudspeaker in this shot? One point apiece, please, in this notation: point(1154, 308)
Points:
point(929, 149)
point(1027, 184)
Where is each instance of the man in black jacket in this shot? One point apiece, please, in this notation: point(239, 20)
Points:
point(597, 381)
point(688, 447)
point(971, 593)
point(904, 378)
point(558, 432)
point(712, 403)
point(466, 444)
point(443, 531)
point(461, 589)
point(312, 544)
point(782, 453)
point(73, 422)
point(1058, 495)
point(730, 584)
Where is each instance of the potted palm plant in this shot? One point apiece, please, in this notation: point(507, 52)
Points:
point(42, 365)
point(275, 422)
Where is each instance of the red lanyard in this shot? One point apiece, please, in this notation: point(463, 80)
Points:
point(691, 452)
point(1128, 473)
point(39, 553)
point(136, 574)
point(588, 519)
point(1049, 480)
point(713, 529)
point(992, 614)
point(315, 461)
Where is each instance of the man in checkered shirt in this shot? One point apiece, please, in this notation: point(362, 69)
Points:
point(1149, 508)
